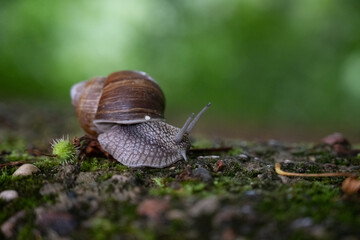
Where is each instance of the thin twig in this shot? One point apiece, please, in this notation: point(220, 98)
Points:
point(11, 164)
point(337, 174)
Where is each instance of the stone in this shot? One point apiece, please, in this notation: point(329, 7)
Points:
point(62, 222)
point(8, 195)
point(7, 228)
point(204, 206)
point(26, 169)
point(203, 174)
point(51, 188)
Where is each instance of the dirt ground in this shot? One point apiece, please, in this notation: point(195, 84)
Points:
point(228, 189)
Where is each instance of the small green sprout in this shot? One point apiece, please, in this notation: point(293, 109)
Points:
point(64, 150)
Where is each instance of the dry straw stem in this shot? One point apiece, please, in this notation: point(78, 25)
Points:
point(336, 174)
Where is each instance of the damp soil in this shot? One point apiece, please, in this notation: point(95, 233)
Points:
point(228, 189)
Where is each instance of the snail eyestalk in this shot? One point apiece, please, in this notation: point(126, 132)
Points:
point(196, 119)
point(182, 131)
point(183, 154)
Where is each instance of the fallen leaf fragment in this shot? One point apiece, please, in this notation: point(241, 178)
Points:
point(90, 147)
point(336, 174)
point(336, 138)
point(219, 166)
point(340, 144)
point(350, 185)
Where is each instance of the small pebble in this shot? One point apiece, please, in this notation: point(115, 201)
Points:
point(8, 195)
point(25, 170)
point(302, 223)
point(246, 209)
point(176, 215)
point(243, 156)
point(202, 173)
point(120, 178)
point(61, 222)
point(50, 188)
point(205, 206)
point(208, 157)
point(7, 228)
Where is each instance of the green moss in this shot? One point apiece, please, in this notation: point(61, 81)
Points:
point(235, 151)
point(27, 231)
point(102, 228)
point(19, 155)
point(202, 143)
point(104, 177)
point(46, 163)
point(29, 196)
point(302, 199)
point(230, 185)
point(159, 181)
point(232, 169)
point(93, 164)
point(186, 188)
point(15, 144)
point(120, 167)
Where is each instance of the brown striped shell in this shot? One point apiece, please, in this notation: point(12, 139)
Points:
point(124, 97)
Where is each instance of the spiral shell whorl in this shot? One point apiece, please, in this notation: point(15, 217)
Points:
point(130, 97)
point(124, 97)
point(85, 97)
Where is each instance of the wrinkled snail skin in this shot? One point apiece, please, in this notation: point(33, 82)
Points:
point(148, 144)
point(125, 112)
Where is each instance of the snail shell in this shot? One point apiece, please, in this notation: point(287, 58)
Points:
point(125, 111)
point(124, 97)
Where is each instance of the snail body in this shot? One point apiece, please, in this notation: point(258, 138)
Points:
point(125, 112)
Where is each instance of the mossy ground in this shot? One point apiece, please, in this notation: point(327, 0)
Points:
point(246, 198)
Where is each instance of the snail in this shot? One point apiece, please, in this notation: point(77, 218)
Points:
point(125, 112)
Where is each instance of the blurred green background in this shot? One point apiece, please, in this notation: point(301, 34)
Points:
point(272, 69)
